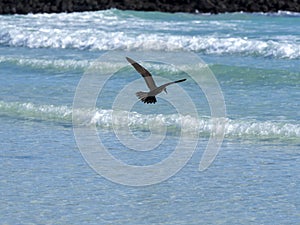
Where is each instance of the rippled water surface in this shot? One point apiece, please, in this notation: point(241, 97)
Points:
point(254, 178)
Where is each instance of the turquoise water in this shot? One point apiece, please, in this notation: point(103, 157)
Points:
point(255, 176)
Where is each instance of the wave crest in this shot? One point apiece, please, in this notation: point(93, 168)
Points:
point(103, 41)
point(109, 119)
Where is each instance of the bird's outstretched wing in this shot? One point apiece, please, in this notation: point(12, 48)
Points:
point(145, 73)
point(177, 81)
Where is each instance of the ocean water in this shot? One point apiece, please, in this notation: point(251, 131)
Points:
point(254, 178)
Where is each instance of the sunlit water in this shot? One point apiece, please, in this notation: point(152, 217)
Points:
point(254, 178)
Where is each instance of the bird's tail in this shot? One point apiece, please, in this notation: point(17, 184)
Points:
point(143, 96)
point(178, 81)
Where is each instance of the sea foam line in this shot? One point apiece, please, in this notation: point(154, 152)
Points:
point(103, 41)
point(110, 119)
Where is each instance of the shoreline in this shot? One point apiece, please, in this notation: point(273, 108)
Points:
point(185, 6)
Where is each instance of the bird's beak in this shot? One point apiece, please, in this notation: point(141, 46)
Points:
point(166, 91)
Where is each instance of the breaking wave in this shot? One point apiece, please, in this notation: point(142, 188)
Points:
point(119, 40)
point(110, 30)
point(105, 119)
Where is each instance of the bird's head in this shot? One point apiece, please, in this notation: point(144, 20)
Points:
point(165, 90)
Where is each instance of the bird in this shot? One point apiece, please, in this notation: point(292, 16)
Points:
point(149, 97)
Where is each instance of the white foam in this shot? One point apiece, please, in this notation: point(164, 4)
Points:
point(108, 30)
point(104, 119)
point(283, 13)
point(276, 129)
point(118, 40)
point(174, 122)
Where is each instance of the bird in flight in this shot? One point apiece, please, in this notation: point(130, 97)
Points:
point(149, 97)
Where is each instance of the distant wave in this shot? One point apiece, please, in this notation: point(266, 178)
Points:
point(103, 41)
point(281, 13)
point(104, 119)
point(254, 74)
point(75, 64)
point(114, 29)
point(57, 64)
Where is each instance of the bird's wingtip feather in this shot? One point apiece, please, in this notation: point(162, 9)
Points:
point(178, 81)
point(130, 60)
